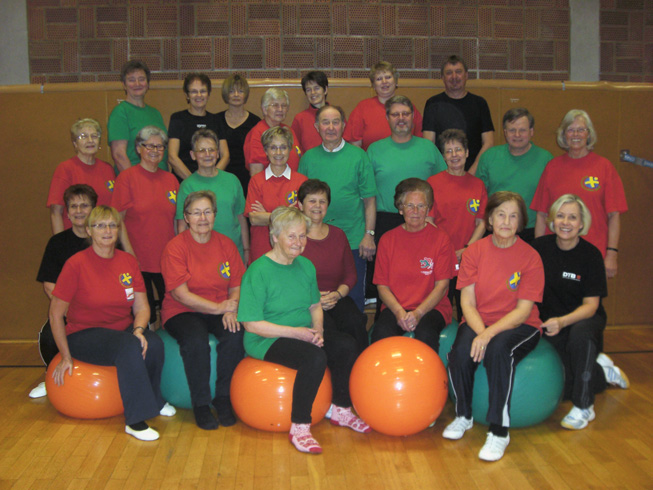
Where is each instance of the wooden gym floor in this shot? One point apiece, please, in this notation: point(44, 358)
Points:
point(40, 449)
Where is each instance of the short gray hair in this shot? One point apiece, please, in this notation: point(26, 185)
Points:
point(273, 94)
point(567, 121)
point(147, 132)
point(282, 217)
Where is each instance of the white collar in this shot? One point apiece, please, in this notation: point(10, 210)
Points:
point(337, 148)
point(268, 172)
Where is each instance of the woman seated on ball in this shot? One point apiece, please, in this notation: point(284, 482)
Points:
point(574, 318)
point(281, 311)
point(327, 247)
point(501, 278)
point(202, 270)
point(102, 294)
point(414, 263)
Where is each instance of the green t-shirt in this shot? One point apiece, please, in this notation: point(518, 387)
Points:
point(351, 179)
point(501, 171)
point(279, 294)
point(393, 162)
point(229, 198)
point(126, 120)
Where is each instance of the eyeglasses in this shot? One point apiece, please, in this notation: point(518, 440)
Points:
point(207, 151)
point(577, 130)
point(413, 207)
point(153, 147)
point(85, 136)
point(395, 115)
point(104, 226)
point(277, 105)
point(278, 148)
point(454, 151)
point(196, 214)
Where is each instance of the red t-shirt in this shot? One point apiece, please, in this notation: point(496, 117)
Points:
point(150, 200)
point(271, 193)
point(501, 276)
point(458, 202)
point(593, 179)
point(304, 127)
point(368, 123)
point(100, 291)
point(208, 269)
point(254, 152)
point(410, 264)
point(333, 260)
point(100, 176)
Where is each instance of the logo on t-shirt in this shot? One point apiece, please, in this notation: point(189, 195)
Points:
point(110, 184)
point(298, 150)
point(172, 197)
point(513, 282)
point(426, 266)
point(126, 279)
point(225, 270)
point(291, 197)
point(473, 205)
point(591, 183)
point(571, 276)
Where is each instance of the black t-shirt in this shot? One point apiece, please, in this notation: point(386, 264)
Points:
point(470, 114)
point(60, 248)
point(570, 276)
point(183, 125)
point(236, 140)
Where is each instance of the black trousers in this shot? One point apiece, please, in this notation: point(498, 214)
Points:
point(578, 346)
point(502, 355)
point(427, 330)
point(139, 379)
point(310, 361)
point(47, 346)
point(345, 317)
point(154, 280)
point(191, 331)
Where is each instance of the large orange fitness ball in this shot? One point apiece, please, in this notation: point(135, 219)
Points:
point(261, 394)
point(398, 386)
point(90, 393)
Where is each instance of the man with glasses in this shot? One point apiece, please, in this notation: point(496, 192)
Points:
point(517, 165)
point(398, 157)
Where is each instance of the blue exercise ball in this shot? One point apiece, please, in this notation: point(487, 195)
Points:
point(174, 385)
point(539, 382)
point(447, 336)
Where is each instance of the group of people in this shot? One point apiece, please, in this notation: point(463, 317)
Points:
point(263, 235)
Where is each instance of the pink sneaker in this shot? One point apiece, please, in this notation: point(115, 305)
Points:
point(301, 437)
point(345, 418)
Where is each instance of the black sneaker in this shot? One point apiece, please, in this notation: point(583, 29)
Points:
point(225, 412)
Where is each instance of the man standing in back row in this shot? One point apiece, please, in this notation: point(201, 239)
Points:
point(455, 108)
point(516, 166)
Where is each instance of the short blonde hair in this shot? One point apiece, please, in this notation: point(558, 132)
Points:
point(382, 66)
point(277, 131)
point(102, 212)
point(282, 217)
point(77, 126)
point(567, 121)
point(585, 215)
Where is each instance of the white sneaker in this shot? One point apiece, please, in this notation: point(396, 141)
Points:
point(148, 434)
point(457, 428)
point(39, 391)
point(578, 418)
point(494, 447)
point(168, 410)
point(613, 375)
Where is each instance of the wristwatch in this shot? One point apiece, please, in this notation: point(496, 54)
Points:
point(370, 232)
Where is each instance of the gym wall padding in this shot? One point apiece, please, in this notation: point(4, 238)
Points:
point(34, 129)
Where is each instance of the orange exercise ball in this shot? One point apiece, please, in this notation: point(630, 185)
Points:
point(90, 393)
point(261, 395)
point(398, 386)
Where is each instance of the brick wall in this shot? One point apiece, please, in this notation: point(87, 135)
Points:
point(88, 40)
